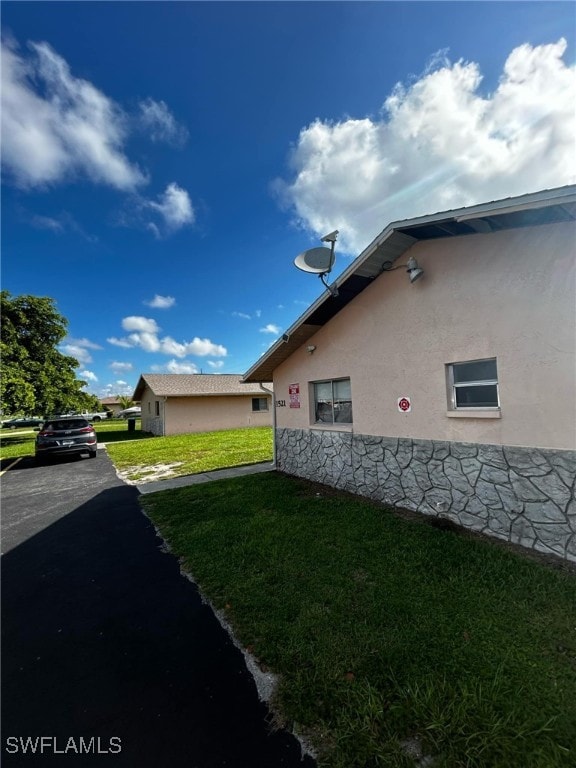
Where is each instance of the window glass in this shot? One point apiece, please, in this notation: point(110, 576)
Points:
point(323, 391)
point(342, 390)
point(259, 404)
point(343, 412)
point(333, 402)
point(479, 370)
point(65, 424)
point(484, 396)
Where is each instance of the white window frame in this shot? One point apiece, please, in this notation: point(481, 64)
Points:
point(314, 404)
point(453, 386)
point(260, 409)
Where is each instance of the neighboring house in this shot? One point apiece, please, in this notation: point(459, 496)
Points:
point(112, 404)
point(175, 403)
point(454, 395)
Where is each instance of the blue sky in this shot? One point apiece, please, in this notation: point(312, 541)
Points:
point(164, 163)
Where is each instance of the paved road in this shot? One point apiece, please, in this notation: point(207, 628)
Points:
point(103, 638)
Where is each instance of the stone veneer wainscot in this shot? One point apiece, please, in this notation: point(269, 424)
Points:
point(522, 495)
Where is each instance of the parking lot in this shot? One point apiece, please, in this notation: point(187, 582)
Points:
point(103, 638)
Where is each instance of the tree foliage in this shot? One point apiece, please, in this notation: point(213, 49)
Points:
point(125, 401)
point(36, 377)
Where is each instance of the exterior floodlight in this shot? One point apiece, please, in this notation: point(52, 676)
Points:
point(414, 271)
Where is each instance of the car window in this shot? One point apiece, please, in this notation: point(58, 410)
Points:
point(66, 424)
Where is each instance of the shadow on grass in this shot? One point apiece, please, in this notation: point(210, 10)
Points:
point(115, 436)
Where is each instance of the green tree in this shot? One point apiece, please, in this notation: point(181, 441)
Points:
point(36, 376)
point(125, 401)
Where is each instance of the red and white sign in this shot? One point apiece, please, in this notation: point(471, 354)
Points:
point(294, 394)
point(404, 404)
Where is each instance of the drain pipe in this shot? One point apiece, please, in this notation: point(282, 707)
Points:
point(270, 392)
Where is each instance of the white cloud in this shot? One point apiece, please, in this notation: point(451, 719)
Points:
point(216, 363)
point(160, 124)
point(439, 143)
point(175, 367)
point(149, 342)
point(80, 353)
point(47, 222)
point(174, 207)
point(63, 222)
point(199, 347)
point(145, 336)
point(118, 367)
point(135, 323)
point(116, 388)
point(124, 343)
point(84, 343)
point(56, 127)
point(161, 302)
point(270, 328)
point(245, 316)
point(89, 375)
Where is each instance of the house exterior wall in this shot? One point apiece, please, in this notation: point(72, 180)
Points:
point(509, 295)
point(180, 415)
point(205, 414)
point(150, 420)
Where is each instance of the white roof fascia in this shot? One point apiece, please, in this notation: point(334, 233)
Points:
point(490, 209)
point(560, 195)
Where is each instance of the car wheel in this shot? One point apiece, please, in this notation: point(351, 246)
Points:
point(92, 454)
point(96, 418)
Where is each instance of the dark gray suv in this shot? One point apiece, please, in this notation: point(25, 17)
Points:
point(61, 436)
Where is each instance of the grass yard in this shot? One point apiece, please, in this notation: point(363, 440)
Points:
point(382, 628)
point(192, 453)
point(15, 445)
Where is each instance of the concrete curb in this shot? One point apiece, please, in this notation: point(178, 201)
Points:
point(204, 477)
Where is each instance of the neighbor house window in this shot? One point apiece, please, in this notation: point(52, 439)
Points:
point(473, 384)
point(259, 403)
point(157, 407)
point(333, 402)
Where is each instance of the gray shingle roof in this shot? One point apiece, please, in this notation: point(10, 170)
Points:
point(195, 385)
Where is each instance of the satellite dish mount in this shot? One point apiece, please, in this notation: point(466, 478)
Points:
point(319, 261)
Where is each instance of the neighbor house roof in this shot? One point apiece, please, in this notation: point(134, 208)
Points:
point(546, 207)
point(195, 385)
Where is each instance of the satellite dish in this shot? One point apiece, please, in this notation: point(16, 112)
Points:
point(319, 261)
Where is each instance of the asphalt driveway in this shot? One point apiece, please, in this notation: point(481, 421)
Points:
point(107, 651)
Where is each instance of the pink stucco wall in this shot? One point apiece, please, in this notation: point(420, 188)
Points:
point(509, 295)
point(201, 414)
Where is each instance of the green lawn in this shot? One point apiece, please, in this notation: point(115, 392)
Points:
point(14, 445)
point(137, 454)
point(384, 628)
point(192, 453)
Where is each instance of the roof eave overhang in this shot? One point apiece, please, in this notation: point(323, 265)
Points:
point(393, 242)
